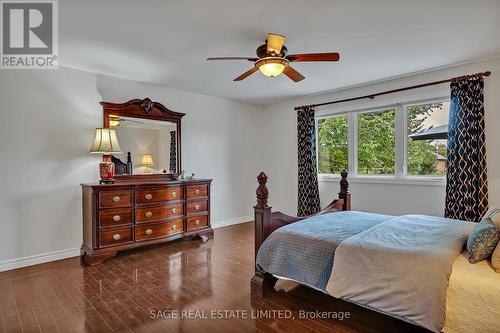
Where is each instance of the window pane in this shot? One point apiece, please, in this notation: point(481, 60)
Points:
point(376, 142)
point(427, 132)
point(332, 144)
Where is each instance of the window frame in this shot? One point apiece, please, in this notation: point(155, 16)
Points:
point(400, 175)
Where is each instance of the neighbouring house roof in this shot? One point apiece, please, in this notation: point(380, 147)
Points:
point(434, 133)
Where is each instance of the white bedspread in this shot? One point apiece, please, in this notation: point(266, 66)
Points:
point(401, 266)
point(473, 299)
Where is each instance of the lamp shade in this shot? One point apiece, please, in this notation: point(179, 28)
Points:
point(105, 142)
point(147, 160)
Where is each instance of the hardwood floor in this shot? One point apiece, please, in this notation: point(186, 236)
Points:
point(131, 291)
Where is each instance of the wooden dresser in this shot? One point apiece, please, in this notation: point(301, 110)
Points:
point(127, 215)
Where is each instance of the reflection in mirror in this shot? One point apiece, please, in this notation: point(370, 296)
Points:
point(152, 143)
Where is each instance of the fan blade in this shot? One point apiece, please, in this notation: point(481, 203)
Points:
point(293, 74)
point(275, 43)
point(233, 58)
point(246, 74)
point(131, 121)
point(313, 57)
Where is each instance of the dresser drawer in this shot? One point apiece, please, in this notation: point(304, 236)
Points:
point(116, 237)
point(194, 207)
point(197, 222)
point(154, 231)
point(158, 213)
point(158, 195)
point(115, 217)
point(115, 198)
point(197, 191)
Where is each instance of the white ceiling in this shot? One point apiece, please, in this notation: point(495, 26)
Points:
point(166, 42)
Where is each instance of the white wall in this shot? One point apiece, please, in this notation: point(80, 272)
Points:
point(47, 121)
point(281, 137)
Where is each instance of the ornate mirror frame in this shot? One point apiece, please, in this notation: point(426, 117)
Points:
point(146, 109)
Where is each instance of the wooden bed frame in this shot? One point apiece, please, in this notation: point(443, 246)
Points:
point(262, 284)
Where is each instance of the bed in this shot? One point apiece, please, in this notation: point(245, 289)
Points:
point(473, 297)
point(361, 258)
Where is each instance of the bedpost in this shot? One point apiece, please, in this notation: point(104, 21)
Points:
point(261, 282)
point(262, 211)
point(129, 164)
point(344, 193)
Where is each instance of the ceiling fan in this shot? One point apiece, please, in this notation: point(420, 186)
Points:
point(115, 121)
point(272, 59)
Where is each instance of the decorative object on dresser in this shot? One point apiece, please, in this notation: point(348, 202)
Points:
point(143, 209)
point(128, 215)
point(106, 143)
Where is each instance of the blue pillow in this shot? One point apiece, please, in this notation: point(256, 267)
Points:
point(482, 240)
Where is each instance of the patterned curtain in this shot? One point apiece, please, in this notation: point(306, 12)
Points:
point(466, 181)
point(308, 192)
point(173, 152)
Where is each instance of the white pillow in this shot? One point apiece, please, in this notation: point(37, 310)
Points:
point(494, 215)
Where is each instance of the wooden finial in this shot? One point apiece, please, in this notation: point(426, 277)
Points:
point(344, 184)
point(262, 191)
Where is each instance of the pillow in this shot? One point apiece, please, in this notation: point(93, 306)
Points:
point(494, 215)
point(482, 240)
point(495, 259)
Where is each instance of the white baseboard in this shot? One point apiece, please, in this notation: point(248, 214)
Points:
point(228, 222)
point(7, 265)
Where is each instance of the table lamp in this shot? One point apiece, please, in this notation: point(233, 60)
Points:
point(106, 143)
point(147, 162)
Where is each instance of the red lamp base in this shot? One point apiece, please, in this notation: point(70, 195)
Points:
point(107, 170)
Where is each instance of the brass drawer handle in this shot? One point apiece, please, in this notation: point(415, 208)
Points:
point(116, 198)
point(197, 191)
point(174, 227)
point(117, 237)
point(149, 232)
point(197, 207)
point(117, 218)
point(148, 214)
point(148, 197)
point(173, 194)
point(174, 210)
point(197, 222)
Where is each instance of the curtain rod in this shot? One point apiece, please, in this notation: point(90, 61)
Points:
point(372, 96)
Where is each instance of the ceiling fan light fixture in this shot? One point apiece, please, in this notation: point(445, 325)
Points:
point(114, 121)
point(271, 67)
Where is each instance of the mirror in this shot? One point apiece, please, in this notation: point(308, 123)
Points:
point(152, 144)
point(152, 135)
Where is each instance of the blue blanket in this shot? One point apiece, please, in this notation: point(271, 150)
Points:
point(304, 250)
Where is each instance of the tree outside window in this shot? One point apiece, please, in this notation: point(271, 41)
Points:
point(376, 142)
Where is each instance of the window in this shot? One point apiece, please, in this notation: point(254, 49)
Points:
point(396, 141)
point(427, 133)
point(376, 142)
point(332, 144)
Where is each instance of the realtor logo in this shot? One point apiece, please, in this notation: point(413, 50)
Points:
point(29, 34)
